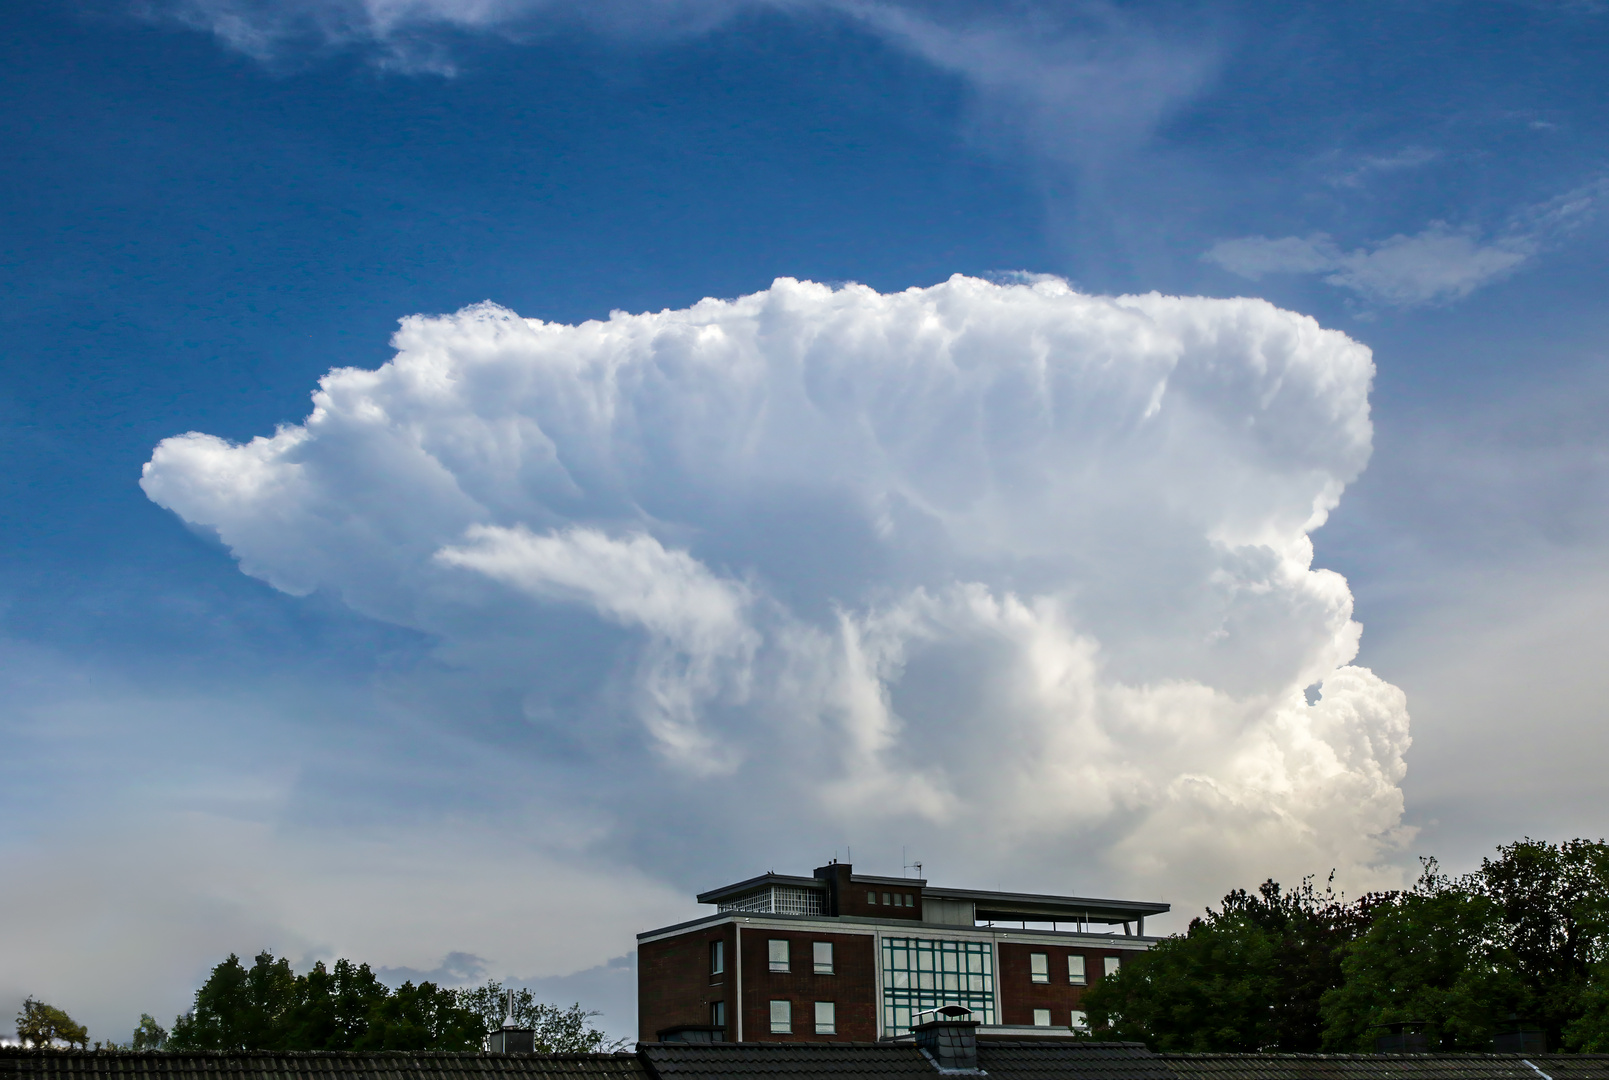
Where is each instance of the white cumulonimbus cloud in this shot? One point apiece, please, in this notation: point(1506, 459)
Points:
point(1005, 568)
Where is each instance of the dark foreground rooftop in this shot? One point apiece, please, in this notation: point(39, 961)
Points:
point(17, 1064)
point(1000, 1060)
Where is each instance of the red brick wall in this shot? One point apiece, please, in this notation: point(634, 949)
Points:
point(852, 987)
point(852, 901)
point(1019, 995)
point(849, 897)
point(674, 983)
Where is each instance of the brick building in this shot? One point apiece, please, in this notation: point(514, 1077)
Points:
point(845, 957)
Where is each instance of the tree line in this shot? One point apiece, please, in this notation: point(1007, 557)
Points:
point(268, 1007)
point(1523, 942)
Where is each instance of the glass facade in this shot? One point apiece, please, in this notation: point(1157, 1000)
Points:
point(777, 900)
point(920, 973)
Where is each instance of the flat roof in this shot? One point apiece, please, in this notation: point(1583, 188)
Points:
point(989, 904)
point(743, 888)
point(1038, 907)
point(861, 924)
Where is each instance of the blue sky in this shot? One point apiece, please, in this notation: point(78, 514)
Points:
point(209, 205)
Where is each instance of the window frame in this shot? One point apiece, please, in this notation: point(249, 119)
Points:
point(786, 1020)
point(1078, 1020)
point(1039, 968)
point(821, 968)
point(1111, 965)
point(771, 950)
point(718, 957)
point(831, 1026)
point(718, 1014)
point(1081, 976)
point(1041, 1012)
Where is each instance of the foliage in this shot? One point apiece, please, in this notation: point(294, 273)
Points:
point(1588, 1032)
point(41, 1025)
point(1244, 978)
point(1436, 956)
point(423, 1017)
point(1555, 910)
point(1523, 939)
point(558, 1031)
point(149, 1035)
point(334, 1008)
point(268, 1007)
point(345, 1007)
point(239, 1009)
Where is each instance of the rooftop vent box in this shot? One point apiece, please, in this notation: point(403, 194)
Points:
point(511, 1040)
point(949, 1038)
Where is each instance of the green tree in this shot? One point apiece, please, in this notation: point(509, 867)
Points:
point(423, 1017)
point(558, 1030)
point(149, 1035)
point(239, 1008)
point(1246, 977)
point(1588, 1031)
point(333, 1007)
point(569, 1031)
point(41, 1025)
point(1436, 955)
point(1554, 905)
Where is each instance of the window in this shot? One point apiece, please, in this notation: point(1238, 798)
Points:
point(779, 954)
point(821, 953)
point(1075, 971)
point(1041, 1018)
point(1039, 967)
point(1111, 964)
point(871, 898)
point(717, 957)
point(887, 899)
point(782, 1017)
point(1080, 1021)
point(777, 900)
point(826, 1018)
point(910, 901)
point(924, 973)
point(718, 1014)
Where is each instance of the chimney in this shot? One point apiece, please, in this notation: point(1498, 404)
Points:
point(836, 875)
point(950, 1039)
point(510, 1039)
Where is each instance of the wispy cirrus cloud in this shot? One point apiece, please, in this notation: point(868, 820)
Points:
point(1075, 82)
point(1078, 82)
point(1439, 264)
point(1370, 166)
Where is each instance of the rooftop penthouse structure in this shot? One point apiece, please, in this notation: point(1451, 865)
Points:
point(846, 957)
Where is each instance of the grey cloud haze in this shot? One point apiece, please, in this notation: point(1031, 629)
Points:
point(821, 552)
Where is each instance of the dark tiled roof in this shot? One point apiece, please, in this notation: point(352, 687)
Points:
point(1002, 1060)
point(793, 1061)
point(18, 1064)
point(1048, 1060)
point(1387, 1066)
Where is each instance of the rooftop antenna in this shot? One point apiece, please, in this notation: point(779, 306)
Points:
point(910, 865)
